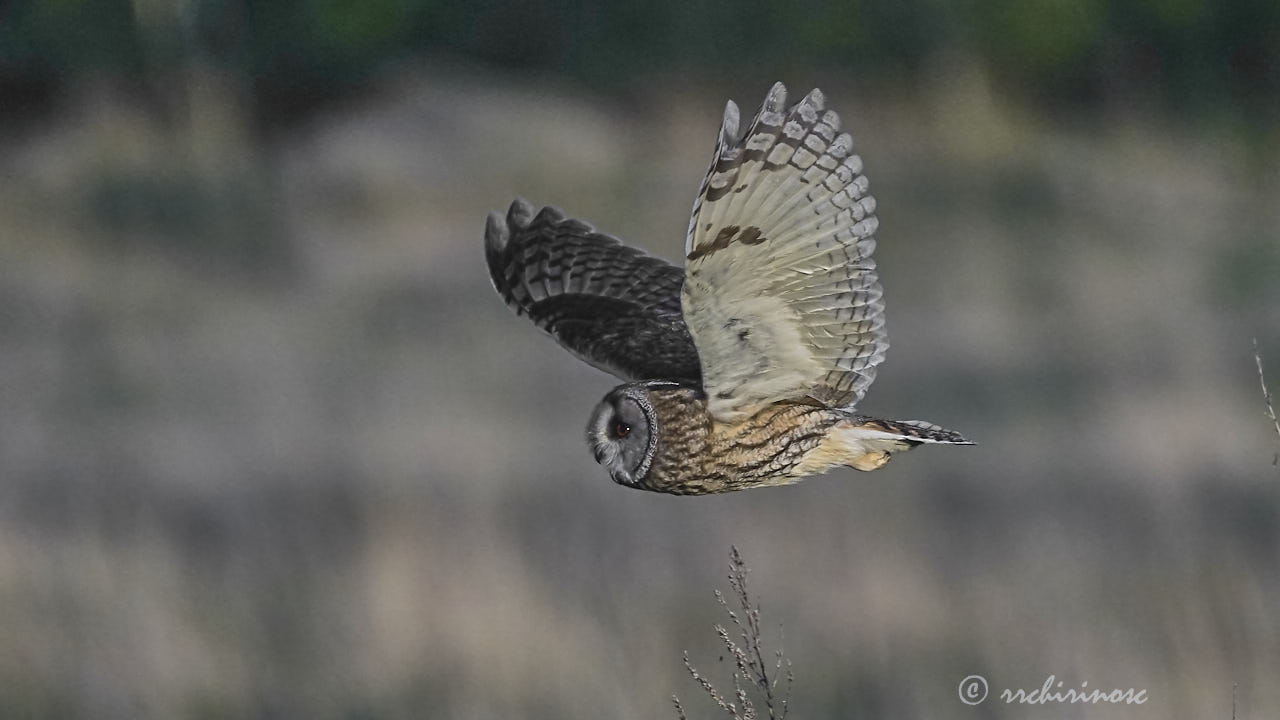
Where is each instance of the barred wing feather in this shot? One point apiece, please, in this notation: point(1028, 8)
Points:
point(781, 295)
point(612, 305)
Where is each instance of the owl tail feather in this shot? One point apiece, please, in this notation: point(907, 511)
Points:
point(874, 441)
point(917, 432)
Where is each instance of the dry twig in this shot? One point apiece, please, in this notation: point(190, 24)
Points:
point(675, 700)
point(748, 656)
point(1270, 411)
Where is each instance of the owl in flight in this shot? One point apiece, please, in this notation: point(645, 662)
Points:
point(743, 367)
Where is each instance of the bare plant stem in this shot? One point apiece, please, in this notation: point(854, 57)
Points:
point(1266, 398)
point(748, 656)
point(675, 700)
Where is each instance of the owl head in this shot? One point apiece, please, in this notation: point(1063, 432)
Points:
point(623, 432)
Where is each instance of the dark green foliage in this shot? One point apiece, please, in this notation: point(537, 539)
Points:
point(1213, 59)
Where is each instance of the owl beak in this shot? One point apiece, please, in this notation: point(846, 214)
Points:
point(606, 456)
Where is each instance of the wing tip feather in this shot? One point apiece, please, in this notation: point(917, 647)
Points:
point(549, 214)
point(496, 232)
point(520, 213)
point(818, 98)
point(776, 100)
point(520, 216)
point(730, 125)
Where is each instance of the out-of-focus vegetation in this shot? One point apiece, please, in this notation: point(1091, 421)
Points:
point(1219, 60)
point(270, 446)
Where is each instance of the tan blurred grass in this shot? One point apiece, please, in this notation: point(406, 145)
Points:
point(271, 447)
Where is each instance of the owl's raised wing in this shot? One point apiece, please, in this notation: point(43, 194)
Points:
point(612, 305)
point(781, 294)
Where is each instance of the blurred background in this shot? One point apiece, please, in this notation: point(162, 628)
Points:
point(270, 446)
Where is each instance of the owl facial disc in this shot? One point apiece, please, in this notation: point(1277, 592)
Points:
point(621, 434)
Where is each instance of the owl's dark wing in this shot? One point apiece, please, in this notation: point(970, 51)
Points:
point(612, 305)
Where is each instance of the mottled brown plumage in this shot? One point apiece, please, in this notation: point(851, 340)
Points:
point(749, 362)
point(778, 445)
point(696, 455)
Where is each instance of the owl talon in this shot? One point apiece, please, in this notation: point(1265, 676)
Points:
point(871, 461)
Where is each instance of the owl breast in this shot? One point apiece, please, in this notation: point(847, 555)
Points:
point(696, 454)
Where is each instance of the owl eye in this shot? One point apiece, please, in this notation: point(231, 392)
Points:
point(621, 429)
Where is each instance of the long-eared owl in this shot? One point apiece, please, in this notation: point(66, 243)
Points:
point(745, 366)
